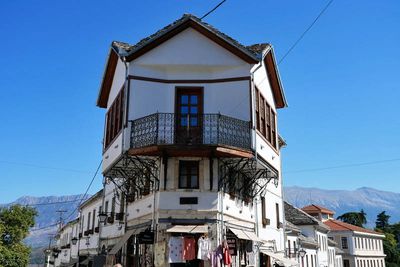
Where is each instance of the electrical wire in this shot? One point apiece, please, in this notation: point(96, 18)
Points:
point(345, 166)
point(43, 227)
point(212, 10)
point(87, 190)
point(305, 32)
point(41, 166)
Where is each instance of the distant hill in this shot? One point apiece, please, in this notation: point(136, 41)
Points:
point(47, 215)
point(371, 200)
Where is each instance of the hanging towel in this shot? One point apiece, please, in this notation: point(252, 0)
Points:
point(175, 246)
point(189, 248)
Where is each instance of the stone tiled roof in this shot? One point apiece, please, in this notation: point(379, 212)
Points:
point(299, 217)
point(305, 240)
point(125, 49)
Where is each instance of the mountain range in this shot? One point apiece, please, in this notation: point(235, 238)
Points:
point(372, 201)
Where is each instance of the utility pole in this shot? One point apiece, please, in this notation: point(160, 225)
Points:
point(61, 220)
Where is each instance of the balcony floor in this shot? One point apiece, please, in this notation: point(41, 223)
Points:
point(191, 151)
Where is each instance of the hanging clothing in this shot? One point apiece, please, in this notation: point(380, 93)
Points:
point(159, 254)
point(189, 248)
point(251, 259)
point(227, 255)
point(175, 245)
point(216, 257)
point(204, 248)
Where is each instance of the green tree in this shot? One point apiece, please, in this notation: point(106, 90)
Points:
point(354, 218)
point(382, 221)
point(15, 222)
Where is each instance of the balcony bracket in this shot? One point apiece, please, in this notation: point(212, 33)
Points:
point(135, 176)
point(245, 178)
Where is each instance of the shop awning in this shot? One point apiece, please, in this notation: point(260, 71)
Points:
point(280, 258)
point(125, 238)
point(244, 234)
point(193, 229)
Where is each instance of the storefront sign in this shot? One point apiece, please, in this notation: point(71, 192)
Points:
point(146, 237)
point(232, 245)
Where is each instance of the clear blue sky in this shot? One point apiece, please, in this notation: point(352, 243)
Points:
point(341, 82)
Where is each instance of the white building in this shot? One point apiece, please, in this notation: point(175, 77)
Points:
point(67, 251)
point(88, 243)
point(361, 247)
point(311, 238)
point(191, 143)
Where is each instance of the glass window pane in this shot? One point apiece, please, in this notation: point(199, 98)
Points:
point(184, 99)
point(184, 110)
point(193, 99)
point(183, 181)
point(193, 110)
point(194, 181)
point(193, 121)
point(184, 121)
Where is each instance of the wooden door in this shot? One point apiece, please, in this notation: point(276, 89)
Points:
point(189, 114)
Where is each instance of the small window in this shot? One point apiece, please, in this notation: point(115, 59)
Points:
point(188, 174)
point(278, 223)
point(344, 243)
point(88, 221)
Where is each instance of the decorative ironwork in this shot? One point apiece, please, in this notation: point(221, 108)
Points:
point(135, 176)
point(245, 178)
point(209, 129)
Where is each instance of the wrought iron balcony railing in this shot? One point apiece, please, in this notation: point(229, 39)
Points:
point(198, 129)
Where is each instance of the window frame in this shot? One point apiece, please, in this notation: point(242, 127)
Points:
point(114, 119)
point(188, 164)
point(266, 121)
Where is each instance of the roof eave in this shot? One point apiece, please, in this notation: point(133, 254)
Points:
point(279, 93)
point(181, 26)
point(105, 86)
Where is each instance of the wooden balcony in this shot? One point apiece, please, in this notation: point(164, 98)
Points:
point(200, 135)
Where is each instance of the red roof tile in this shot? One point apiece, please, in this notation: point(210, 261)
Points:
point(336, 225)
point(316, 208)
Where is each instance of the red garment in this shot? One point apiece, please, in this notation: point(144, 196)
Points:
point(189, 248)
point(227, 256)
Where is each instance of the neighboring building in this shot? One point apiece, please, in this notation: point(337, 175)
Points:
point(361, 247)
point(191, 143)
point(88, 243)
point(67, 250)
point(313, 239)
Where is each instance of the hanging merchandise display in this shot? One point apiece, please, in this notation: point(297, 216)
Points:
point(226, 254)
point(189, 248)
point(175, 246)
point(159, 254)
point(204, 248)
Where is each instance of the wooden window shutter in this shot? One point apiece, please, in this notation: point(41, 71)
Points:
point(257, 93)
point(262, 115)
point(273, 129)
point(268, 120)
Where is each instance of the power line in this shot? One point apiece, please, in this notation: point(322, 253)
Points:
point(53, 203)
point(41, 166)
point(345, 166)
point(87, 190)
point(43, 227)
point(212, 10)
point(305, 32)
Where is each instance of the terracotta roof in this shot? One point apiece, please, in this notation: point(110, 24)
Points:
point(336, 225)
point(316, 208)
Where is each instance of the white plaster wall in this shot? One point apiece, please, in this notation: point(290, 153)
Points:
point(90, 206)
point(271, 232)
point(113, 152)
point(226, 98)
point(118, 82)
point(189, 48)
point(113, 230)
